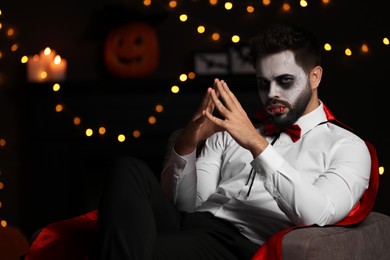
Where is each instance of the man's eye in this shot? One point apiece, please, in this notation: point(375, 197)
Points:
point(263, 84)
point(286, 82)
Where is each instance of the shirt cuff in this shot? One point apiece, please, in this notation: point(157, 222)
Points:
point(180, 161)
point(267, 162)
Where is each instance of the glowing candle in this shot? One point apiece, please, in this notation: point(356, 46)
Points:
point(57, 70)
point(46, 66)
point(34, 69)
point(46, 57)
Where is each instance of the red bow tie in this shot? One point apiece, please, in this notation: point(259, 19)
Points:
point(294, 131)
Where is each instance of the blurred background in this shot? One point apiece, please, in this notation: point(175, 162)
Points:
point(121, 75)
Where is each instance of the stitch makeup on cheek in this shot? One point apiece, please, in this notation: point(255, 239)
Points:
point(289, 58)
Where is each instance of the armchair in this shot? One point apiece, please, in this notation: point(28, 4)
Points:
point(368, 239)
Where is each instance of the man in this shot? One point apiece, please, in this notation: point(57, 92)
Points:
point(247, 182)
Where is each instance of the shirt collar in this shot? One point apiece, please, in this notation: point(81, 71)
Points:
point(312, 119)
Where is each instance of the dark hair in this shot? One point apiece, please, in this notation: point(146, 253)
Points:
point(283, 36)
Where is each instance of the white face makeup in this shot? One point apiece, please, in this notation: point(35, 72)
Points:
point(283, 87)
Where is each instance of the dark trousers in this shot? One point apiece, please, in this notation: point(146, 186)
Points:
point(136, 221)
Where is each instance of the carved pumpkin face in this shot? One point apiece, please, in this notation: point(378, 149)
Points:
point(132, 50)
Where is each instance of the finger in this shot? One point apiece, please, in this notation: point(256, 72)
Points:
point(207, 102)
point(218, 121)
point(215, 86)
point(210, 101)
point(233, 99)
point(218, 104)
point(230, 100)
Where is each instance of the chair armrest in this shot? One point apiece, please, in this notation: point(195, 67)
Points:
point(369, 239)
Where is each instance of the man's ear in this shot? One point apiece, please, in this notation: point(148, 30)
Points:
point(315, 77)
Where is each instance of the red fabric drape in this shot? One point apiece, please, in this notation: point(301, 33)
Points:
point(71, 239)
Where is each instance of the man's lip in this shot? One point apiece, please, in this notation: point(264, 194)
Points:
point(276, 109)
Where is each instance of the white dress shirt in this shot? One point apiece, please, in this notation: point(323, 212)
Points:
point(316, 180)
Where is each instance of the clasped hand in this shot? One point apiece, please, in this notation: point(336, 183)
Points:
point(233, 119)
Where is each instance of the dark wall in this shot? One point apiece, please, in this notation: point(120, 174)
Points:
point(52, 171)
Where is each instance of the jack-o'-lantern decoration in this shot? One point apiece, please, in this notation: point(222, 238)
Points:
point(132, 50)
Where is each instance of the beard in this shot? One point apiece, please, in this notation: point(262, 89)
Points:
point(295, 110)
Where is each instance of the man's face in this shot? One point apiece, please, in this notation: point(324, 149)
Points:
point(283, 87)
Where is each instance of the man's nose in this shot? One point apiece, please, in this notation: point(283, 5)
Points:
point(273, 90)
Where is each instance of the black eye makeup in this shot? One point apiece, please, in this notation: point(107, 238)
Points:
point(263, 83)
point(285, 81)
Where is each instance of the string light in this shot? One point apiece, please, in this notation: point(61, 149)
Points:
point(183, 17)
point(159, 108)
point(213, 2)
point(201, 29)
point(14, 47)
point(175, 89)
point(152, 120)
point(228, 5)
point(266, 2)
point(10, 32)
point(235, 38)
point(136, 133)
point(327, 47)
point(183, 77)
point(147, 2)
point(364, 48)
point(56, 87)
point(59, 108)
point(286, 7)
point(172, 4)
point(191, 75)
point(303, 3)
point(88, 132)
point(121, 138)
point(76, 120)
point(250, 9)
point(3, 223)
point(102, 130)
point(215, 36)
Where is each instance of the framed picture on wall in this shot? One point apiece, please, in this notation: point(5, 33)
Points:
point(211, 63)
point(239, 60)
